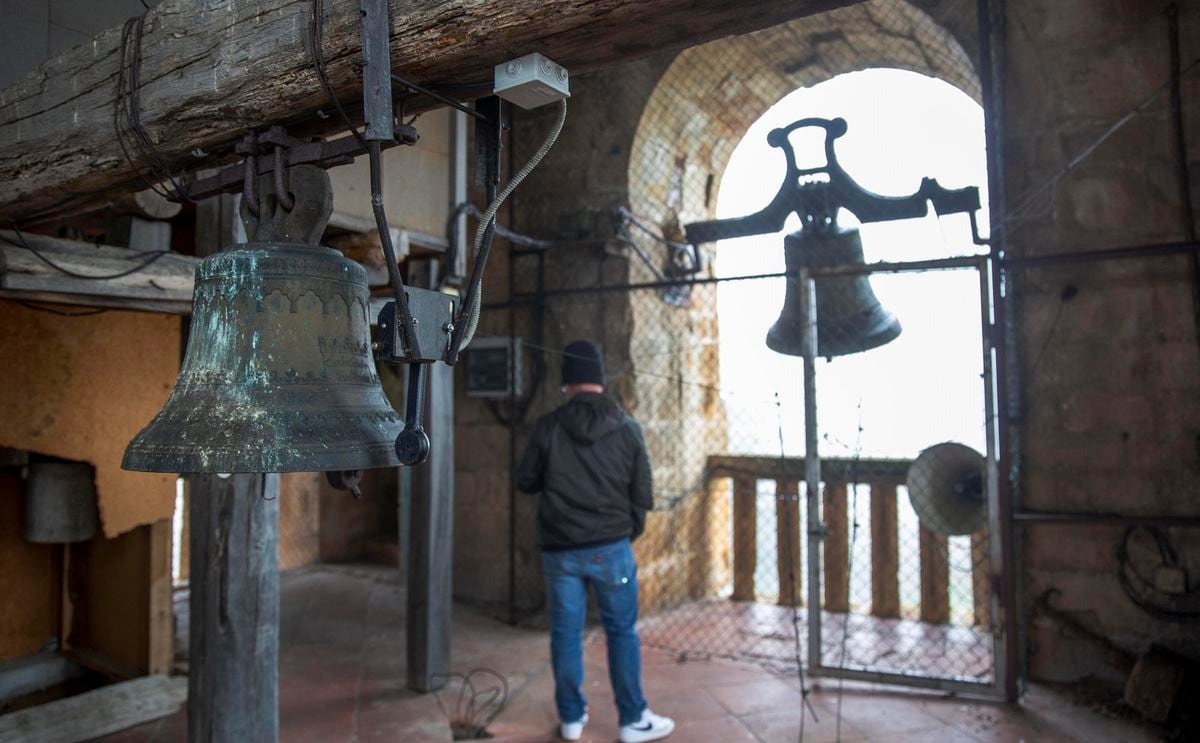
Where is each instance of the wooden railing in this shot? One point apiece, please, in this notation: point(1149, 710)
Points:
point(883, 477)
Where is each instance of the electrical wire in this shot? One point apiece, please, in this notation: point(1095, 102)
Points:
point(316, 41)
point(127, 121)
point(1144, 592)
point(489, 215)
point(21, 242)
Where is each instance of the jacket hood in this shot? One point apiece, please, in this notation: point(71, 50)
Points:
point(589, 417)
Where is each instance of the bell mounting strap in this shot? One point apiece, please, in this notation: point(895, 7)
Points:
point(815, 195)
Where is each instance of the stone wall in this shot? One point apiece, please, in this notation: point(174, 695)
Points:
point(1109, 368)
point(1109, 364)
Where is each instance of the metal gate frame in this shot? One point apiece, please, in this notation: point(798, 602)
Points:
point(1000, 531)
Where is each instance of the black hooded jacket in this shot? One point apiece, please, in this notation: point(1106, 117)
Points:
point(588, 460)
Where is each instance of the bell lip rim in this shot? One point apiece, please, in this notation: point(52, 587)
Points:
point(389, 460)
point(877, 340)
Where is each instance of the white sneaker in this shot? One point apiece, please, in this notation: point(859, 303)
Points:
point(573, 730)
point(650, 727)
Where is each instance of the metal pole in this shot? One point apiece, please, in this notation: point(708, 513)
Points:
point(997, 533)
point(812, 464)
point(992, 51)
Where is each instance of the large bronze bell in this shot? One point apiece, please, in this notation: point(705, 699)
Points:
point(849, 316)
point(278, 374)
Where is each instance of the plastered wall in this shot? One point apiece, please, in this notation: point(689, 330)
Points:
point(80, 388)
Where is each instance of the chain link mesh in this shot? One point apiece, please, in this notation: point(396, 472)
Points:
point(724, 564)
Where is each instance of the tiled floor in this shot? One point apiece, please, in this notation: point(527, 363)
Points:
point(763, 632)
point(342, 679)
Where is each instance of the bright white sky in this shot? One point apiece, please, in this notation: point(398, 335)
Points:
point(924, 387)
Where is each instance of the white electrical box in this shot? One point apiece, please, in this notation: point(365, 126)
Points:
point(532, 81)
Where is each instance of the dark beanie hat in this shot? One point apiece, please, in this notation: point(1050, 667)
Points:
point(582, 364)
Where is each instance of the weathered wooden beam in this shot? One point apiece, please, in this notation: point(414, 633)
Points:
point(211, 71)
point(97, 713)
point(162, 286)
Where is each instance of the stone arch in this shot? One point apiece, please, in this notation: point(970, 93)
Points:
point(708, 97)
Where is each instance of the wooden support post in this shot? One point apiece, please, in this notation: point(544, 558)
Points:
point(981, 578)
point(836, 548)
point(233, 657)
point(745, 537)
point(787, 540)
point(935, 577)
point(885, 552)
point(233, 692)
point(431, 553)
point(161, 636)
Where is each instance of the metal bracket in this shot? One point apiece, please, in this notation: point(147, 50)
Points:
point(321, 153)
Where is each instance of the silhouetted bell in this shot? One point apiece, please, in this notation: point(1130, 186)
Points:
point(849, 316)
point(278, 375)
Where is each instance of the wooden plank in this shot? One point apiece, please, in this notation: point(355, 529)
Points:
point(836, 548)
point(161, 620)
point(233, 692)
point(885, 552)
point(886, 471)
point(210, 71)
point(431, 535)
point(745, 537)
point(981, 578)
point(935, 577)
point(96, 713)
point(787, 540)
point(162, 286)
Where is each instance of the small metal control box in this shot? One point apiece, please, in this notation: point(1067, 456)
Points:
point(532, 81)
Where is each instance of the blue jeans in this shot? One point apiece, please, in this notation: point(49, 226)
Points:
point(612, 574)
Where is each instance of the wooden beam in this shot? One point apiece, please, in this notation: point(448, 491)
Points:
point(981, 578)
point(836, 548)
point(162, 286)
point(787, 538)
point(935, 577)
point(885, 552)
point(233, 643)
point(95, 714)
point(160, 655)
point(431, 545)
point(210, 71)
point(745, 536)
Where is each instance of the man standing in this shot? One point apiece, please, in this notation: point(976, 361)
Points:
point(588, 460)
